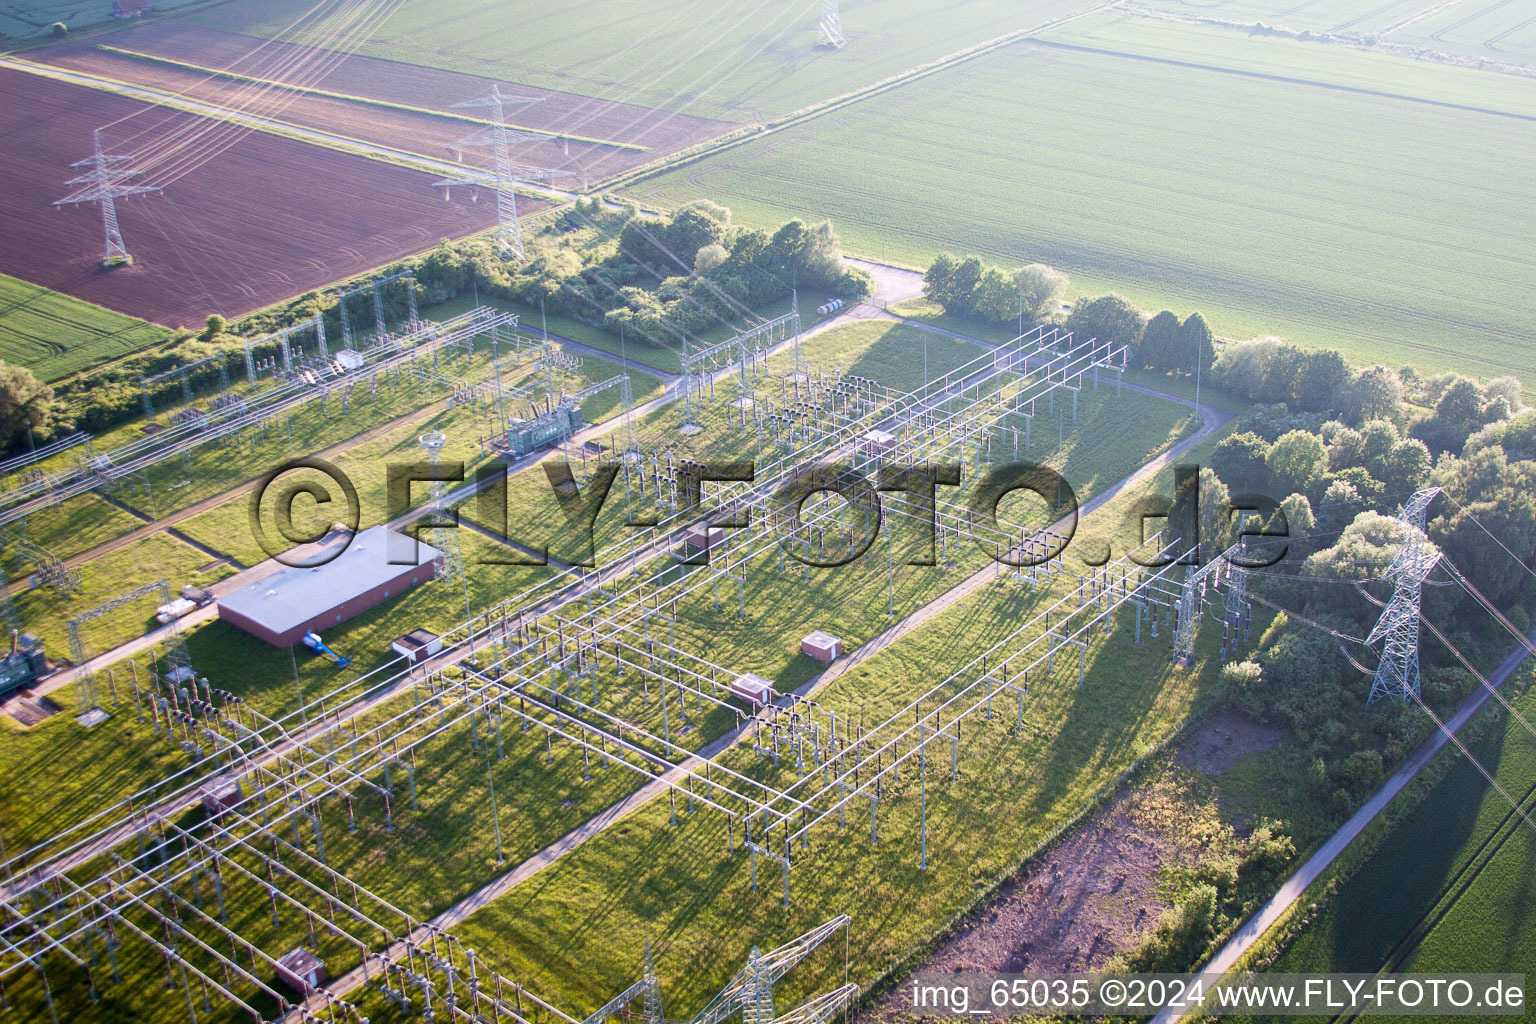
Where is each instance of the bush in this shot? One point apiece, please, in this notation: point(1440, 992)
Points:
point(1111, 319)
point(1040, 289)
point(1182, 934)
point(1362, 771)
point(59, 30)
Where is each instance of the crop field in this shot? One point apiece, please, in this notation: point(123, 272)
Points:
point(1483, 29)
point(389, 102)
point(1287, 60)
point(28, 21)
point(1457, 867)
point(1274, 207)
point(54, 335)
point(721, 61)
point(268, 220)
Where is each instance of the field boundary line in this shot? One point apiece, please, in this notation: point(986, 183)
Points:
point(1287, 79)
point(317, 137)
point(154, 58)
point(632, 177)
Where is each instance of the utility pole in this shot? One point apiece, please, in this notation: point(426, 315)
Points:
point(441, 524)
point(504, 175)
point(105, 183)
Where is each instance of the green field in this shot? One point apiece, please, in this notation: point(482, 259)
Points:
point(1483, 29)
point(1448, 888)
point(54, 335)
point(1275, 207)
point(752, 63)
point(1278, 57)
point(27, 21)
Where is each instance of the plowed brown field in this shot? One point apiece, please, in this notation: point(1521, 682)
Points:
point(371, 78)
point(266, 220)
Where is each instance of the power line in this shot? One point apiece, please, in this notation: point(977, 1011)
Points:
point(504, 176)
point(105, 183)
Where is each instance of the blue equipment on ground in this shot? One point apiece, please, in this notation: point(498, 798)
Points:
point(314, 643)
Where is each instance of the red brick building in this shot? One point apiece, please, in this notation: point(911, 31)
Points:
point(293, 601)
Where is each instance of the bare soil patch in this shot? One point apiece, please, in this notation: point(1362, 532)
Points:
point(1091, 897)
point(1097, 893)
point(429, 89)
point(1224, 739)
point(266, 220)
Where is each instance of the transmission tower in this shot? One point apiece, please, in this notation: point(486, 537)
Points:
point(438, 520)
point(1397, 674)
point(831, 26)
point(504, 175)
point(105, 183)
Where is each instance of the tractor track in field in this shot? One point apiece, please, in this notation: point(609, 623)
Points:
point(1455, 888)
point(1294, 888)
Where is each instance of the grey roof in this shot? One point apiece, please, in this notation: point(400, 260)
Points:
point(295, 595)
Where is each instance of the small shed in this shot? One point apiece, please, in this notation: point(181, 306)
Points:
point(417, 645)
point(221, 793)
point(822, 646)
point(753, 689)
point(301, 970)
point(703, 537)
point(878, 442)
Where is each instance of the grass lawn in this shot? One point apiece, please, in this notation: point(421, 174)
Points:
point(446, 850)
point(69, 528)
point(1272, 206)
point(54, 335)
point(157, 557)
point(60, 773)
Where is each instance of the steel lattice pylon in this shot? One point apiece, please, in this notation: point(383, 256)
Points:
point(1397, 674)
point(1191, 602)
point(504, 175)
point(831, 26)
point(105, 183)
point(438, 522)
point(85, 682)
